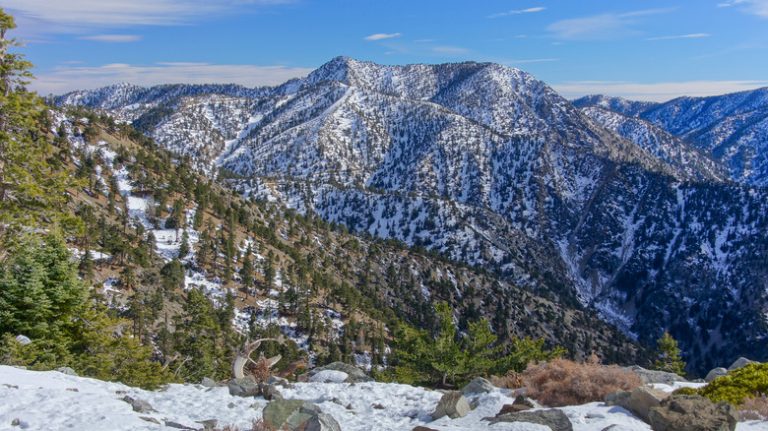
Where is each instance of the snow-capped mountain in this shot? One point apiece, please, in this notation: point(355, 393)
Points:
point(732, 129)
point(491, 167)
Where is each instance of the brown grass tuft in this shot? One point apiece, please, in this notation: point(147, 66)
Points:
point(561, 382)
point(754, 409)
point(511, 380)
point(260, 370)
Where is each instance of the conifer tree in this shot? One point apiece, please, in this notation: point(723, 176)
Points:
point(668, 355)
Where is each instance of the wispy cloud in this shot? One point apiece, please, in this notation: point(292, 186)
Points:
point(113, 38)
point(69, 77)
point(75, 15)
point(601, 26)
point(450, 50)
point(382, 36)
point(681, 36)
point(754, 7)
point(517, 12)
point(659, 91)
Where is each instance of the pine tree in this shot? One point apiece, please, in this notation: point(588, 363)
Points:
point(668, 355)
point(246, 271)
point(184, 247)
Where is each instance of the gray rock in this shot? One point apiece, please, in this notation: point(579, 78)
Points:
point(23, 340)
point(354, 374)
point(452, 404)
point(289, 414)
point(553, 418)
point(209, 424)
point(279, 381)
point(641, 400)
point(740, 363)
point(715, 373)
point(617, 398)
point(138, 405)
point(653, 376)
point(150, 419)
point(478, 385)
point(322, 422)
point(692, 413)
point(208, 382)
point(270, 392)
point(618, 428)
point(66, 370)
point(172, 424)
point(245, 387)
point(520, 404)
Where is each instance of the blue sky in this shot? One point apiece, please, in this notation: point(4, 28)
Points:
point(643, 49)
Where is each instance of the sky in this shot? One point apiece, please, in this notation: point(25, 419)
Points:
point(638, 49)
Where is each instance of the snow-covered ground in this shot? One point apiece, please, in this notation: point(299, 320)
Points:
point(54, 401)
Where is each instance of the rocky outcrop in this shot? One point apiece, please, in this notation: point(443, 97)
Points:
point(354, 374)
point(692, 413)
point(452, 404)
point(740, 363)
point(295, 415)
point(654, 376)
point(478, 385)
point(639, 401)
point(715, 373)
point(553, 418)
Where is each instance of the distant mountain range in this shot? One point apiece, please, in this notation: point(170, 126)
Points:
point(654, 214)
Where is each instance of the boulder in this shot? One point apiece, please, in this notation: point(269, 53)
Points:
point(208, 382)
point(322, 422)
point(66, 370)
point(452, 404)
point(245, 387)
point(354, 374)
point(270, 392)
point(692, 413)
point(478, 385)
point(641, 400)
point(740, 363)
point(329, 376)
point(519, 405)
point(555, 419)
point(138, 405)
point(715, 373)
point(421, 428)
point(654, 376)
point(279, 381)
point(291, 415)
point(617, 398)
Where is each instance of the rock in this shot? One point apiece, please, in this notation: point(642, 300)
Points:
point(617, 398)
point(19, 423)
point(618, 428)
point(23, 340)
point(150, 419)
point(715, 373)
point(692, 413)
point(322, 422)
point(138, 405)
point(289, 414)
point(208, 382)
point(66, 370)
point(553, 418)
point(653, 376)
point(641, 400)
point(172, 424)
point(329, 376)
point(421, 428)
point(478, 385)
point(209, 424)
point(452, 404)
point(279, 381)
point(519, 405)
point(740, 363)
point(354, 374)
point(270, 392)
point(378, 406)
point(245, 387)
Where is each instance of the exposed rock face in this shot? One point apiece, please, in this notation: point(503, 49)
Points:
point(692, 413)
point(452, 404)
point(740, 363)
point(715, 373)
point(354, 374)
point(478, 385)
point(245, 387)
point(553, 418)
point(641, 400)
point(653, 376)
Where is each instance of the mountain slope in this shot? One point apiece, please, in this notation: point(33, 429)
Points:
point(491, 167)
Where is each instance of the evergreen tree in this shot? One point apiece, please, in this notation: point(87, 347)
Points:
point(668, 355)
point(246, 271)
point(184, 247)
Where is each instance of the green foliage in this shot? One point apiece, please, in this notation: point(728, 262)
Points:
point(668, 358)
point(447, 360)
point(738, 385)
point(686, 391)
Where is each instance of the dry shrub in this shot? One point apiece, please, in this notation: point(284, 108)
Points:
point(511, 380)
point(754, 409)
point(260, 370)
point(561, 382)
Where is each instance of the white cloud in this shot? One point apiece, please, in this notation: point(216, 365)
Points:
point(517, 12)
point(68, 78)
point(382, 36)
point(450, 50)
point(681, 36)
point(658, 92)
point(601, 26)
point(754, 7)
point(74, 15)
point(113, 38)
